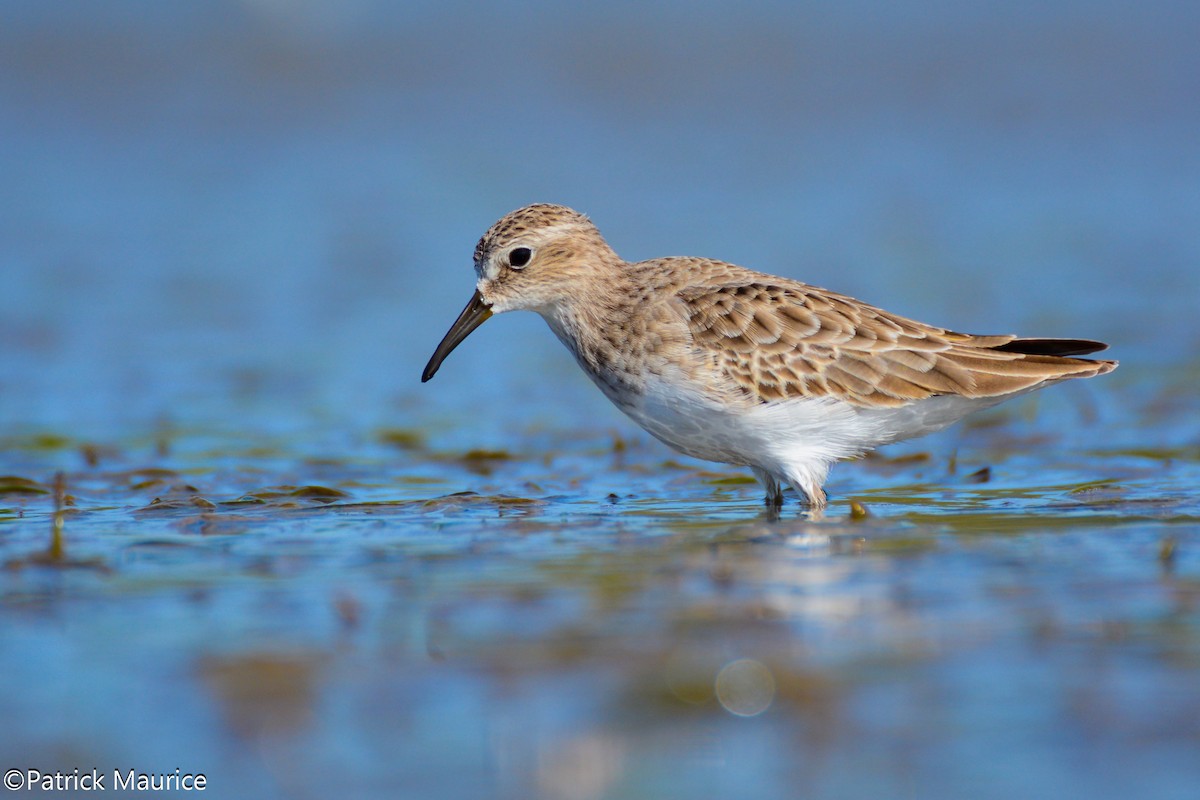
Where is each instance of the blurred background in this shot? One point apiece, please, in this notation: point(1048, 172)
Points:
point(232, 232)
point(277, 200)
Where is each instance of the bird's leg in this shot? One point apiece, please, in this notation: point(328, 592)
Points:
point(808, 486)
point(774, 498)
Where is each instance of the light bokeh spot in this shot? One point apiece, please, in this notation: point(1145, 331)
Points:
point(745, 687)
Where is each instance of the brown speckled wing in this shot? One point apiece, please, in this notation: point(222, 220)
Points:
point(783, 341)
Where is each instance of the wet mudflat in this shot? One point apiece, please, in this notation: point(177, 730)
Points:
point(582, 615)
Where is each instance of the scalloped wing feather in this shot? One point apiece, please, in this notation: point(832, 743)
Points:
point(777, 342)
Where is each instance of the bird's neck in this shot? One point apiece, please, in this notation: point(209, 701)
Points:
point(598, 329)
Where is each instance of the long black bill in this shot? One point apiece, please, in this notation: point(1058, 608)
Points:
point(475, 314)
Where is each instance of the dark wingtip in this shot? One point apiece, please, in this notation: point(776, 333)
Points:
point(1052, 347)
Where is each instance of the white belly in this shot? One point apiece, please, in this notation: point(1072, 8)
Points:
point(776, 436)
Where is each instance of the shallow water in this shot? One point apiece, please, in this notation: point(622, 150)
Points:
point(234, 233)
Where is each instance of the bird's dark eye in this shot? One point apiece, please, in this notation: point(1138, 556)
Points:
point(519, 257)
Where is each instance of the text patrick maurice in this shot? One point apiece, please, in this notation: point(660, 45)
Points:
point(94, 780)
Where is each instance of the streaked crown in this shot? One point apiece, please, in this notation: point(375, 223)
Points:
point(558, 230)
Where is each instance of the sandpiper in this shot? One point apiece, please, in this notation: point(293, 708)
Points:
point(726, 364)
